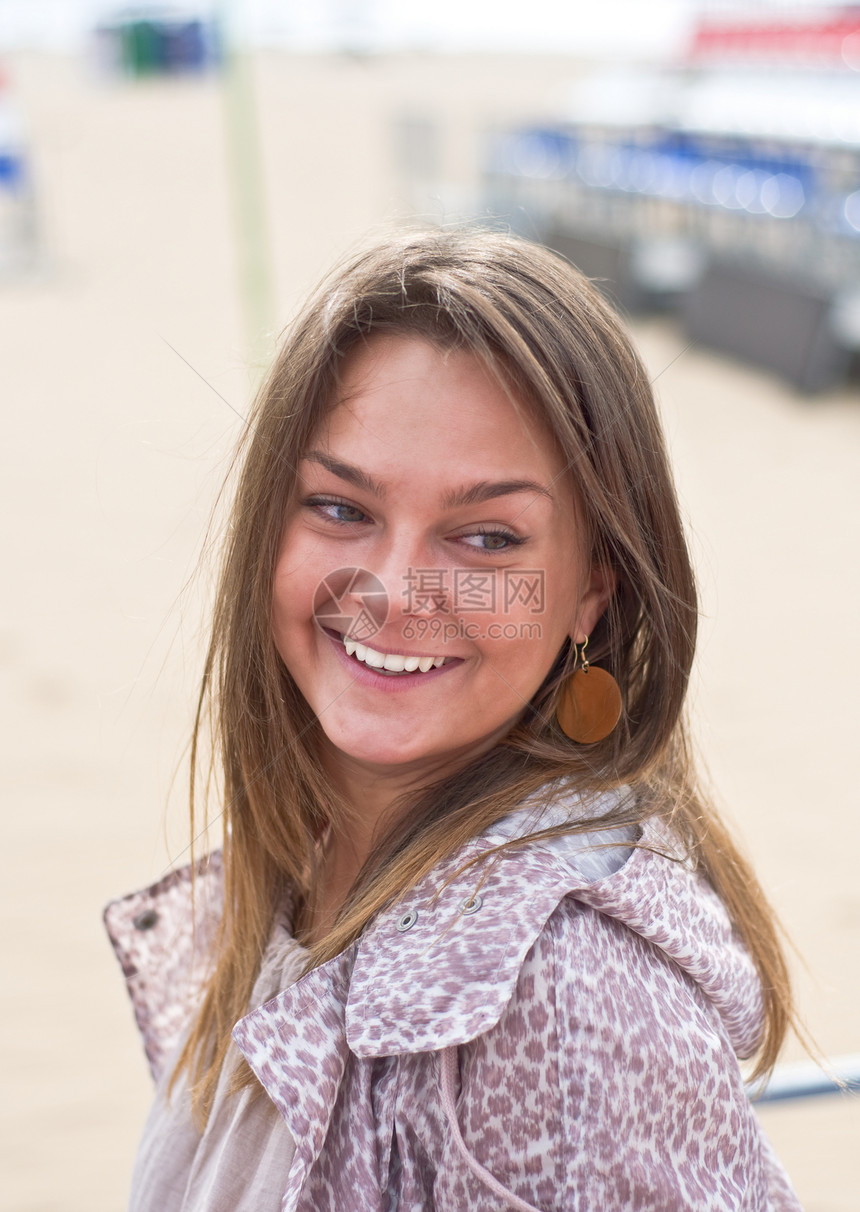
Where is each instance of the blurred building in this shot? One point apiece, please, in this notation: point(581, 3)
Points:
point(724, 184)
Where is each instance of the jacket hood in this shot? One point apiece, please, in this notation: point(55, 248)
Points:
point(466, 943)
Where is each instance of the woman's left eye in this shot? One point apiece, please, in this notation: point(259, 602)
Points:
point(492, 540)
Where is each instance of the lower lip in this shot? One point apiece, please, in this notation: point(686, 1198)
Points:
point(369, 677)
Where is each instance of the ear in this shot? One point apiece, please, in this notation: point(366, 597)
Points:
point(594, 599)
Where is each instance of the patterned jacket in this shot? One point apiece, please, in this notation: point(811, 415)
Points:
point(550, 1041)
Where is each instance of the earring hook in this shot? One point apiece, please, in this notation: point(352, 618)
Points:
point(583, 659)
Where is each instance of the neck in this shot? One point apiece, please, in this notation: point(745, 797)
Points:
point(372, 797)
point(369, 797)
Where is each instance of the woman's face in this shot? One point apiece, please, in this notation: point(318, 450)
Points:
point(434, 524)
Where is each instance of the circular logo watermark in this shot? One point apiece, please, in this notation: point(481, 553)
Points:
point(352, 602)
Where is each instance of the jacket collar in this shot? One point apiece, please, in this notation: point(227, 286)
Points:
point(438, 967)
point(296, 1044)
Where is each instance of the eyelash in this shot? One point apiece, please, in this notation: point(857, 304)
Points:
point(513, 540)
point(322, 503)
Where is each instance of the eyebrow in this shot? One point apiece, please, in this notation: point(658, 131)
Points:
point(467, 494)
point(488, 490)
point(346, 471)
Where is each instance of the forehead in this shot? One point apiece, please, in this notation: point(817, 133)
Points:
point(449, 403)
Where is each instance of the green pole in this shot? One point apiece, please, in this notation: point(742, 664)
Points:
point(247, 195)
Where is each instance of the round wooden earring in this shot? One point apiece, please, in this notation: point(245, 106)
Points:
point(590, 704)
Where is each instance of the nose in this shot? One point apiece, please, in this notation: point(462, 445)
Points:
point(425, 591)
point(414, 580)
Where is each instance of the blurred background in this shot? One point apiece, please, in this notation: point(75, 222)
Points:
point(172, 183)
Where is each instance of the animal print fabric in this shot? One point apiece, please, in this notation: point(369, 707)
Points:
point(590, 1030)
point(163, 938)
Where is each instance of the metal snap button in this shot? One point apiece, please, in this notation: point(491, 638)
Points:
point(472, 904)
point(145, 920)
point(407, 921)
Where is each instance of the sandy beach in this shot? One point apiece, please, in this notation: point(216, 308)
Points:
point(125, 376)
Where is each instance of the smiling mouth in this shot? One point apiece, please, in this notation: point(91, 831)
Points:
point(391, 664)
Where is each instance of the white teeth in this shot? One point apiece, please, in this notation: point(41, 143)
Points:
point(390, 660)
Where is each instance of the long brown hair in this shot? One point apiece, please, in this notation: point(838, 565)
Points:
point(549, 334)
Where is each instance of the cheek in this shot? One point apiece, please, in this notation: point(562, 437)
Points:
point(537, 607)
point(295, 581)
point(283, 621)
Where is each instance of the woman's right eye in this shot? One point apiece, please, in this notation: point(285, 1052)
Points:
point(336, 511)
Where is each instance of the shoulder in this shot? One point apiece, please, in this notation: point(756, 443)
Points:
point(626, 1016)
point(617, 1048)
point(612, 1064)
point(162, 937)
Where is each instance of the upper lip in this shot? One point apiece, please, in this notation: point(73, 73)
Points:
point(377, 647)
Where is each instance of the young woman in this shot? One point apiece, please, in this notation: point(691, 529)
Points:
point(474, 939)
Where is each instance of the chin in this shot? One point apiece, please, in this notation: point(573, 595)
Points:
point(386, 753)
point(388, 749)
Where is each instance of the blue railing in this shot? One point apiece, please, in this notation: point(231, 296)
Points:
point(806, 1079)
